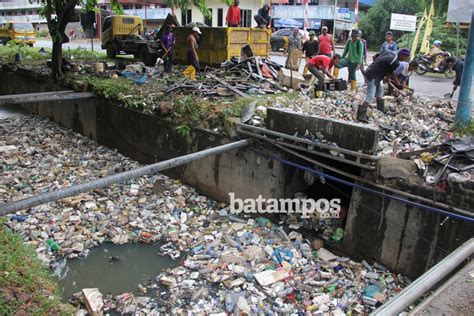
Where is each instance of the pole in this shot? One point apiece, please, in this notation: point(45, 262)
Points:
point(463, 111)
point(334, 26)
point(457, 39)
point(120, 177)
point(356, 13)
point(424, 283)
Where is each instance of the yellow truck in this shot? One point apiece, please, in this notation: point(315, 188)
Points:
point(17, 32)
point(123, 34)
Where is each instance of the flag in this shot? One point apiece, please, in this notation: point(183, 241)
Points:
point(425, 44)
point(414, 46)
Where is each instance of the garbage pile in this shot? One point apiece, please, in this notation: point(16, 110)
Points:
point(451, 162)
point(227, 263)
point(408, 125)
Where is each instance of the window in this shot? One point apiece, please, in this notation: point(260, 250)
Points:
point(30, 12)
point(126, 7)
point(313, 2)
point(138, 6)
point(246, 18)
point(104, 7)
point(220, 17)
point(208, 21)
point(285, 32)
point(128, 20)
point(186, 16)
point(107, 24)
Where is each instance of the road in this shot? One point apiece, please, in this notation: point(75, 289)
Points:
point(423, 85)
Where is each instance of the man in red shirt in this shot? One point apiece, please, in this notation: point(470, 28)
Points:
point(233, 15)
point(326, 43)
point(320, 66)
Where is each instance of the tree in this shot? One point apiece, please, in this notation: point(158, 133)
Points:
point(376, 22)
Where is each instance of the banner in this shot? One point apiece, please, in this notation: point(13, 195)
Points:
point(414, 46)
point(425, 44)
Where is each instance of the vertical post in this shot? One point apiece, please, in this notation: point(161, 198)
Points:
point(463, 111)
point(334, 23)
point(356, 12)
point(457, 39)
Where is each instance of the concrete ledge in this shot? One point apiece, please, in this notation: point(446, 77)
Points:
point(353, 136)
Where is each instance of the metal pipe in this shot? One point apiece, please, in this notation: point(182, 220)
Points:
point(276, 143)
point(310, 142)
point(120, 177)
point(463, 111)
point(378, 186)
point(425, 282)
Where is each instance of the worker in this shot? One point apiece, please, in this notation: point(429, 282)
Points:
point(351, 58)
point(193, 59)
point(458, 66)
point(310, 49)
point(263, 18)
point(389, 43)
point(294, 50)
point(385, 64)
point(320, 66)
point(436, 55)
point(404, 71)
point(167, 41)
point(233, 15)
point(326, 43)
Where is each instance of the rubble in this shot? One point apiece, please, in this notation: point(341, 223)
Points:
point(226, 263)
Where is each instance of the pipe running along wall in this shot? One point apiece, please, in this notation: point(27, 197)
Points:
point(124, 176)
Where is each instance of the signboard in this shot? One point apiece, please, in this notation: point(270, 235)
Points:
point(403, 22)
point(460, 11)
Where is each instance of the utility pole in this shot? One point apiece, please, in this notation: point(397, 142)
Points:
point(463, 111)
point(334, 23)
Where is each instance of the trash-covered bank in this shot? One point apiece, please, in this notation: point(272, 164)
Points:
point(229, 263)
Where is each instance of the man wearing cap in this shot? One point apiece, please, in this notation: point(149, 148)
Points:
point(351, 58)
point(389, 43)
point(385, 64)
point(193, 59)
point(233, 15)
point(310, 48)
point(326, 43)
point(263, 17)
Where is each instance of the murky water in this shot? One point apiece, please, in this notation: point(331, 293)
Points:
point(10, 111)
point(112, 269)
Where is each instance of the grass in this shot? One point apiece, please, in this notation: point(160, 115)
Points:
point(26, 286)
point(466, 131)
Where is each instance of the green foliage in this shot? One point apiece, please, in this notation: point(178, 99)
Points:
point(183, 129)
point(30, 54)
point(115, 89)
point(440, 6)
point(83, 53)
point(26, 285)
point(443, 32)
point(376, 22)
point(117, 7)
point(187, 109)
point(43, 33)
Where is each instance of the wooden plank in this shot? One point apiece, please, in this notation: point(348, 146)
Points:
point(225, 84)
point(44, 96)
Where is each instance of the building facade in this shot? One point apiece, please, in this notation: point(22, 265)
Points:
point(22, 11)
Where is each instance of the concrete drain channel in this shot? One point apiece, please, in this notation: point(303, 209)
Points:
point(214, 261)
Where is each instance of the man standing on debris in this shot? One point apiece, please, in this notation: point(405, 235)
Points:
point(233, 15)
point(263, 18)
point(193, 59)
point(319, 66)
point(389, 43)
point(351, 58)
point(310, 49)
point(326, 43)
point(167, 41)
point(294, 50)
point(385, 64)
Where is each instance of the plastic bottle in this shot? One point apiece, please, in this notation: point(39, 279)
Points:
point(52, 245)
point(338, 235)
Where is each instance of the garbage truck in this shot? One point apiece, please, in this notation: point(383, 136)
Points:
point(17, 32)
point(124, 34)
